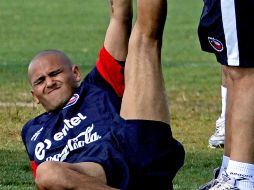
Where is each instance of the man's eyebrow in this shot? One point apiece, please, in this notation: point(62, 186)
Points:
point(50, 73)
point(56, 71)
point(37, 80)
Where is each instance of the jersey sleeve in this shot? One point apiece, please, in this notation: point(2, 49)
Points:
point(25, 140)
point(111, 71)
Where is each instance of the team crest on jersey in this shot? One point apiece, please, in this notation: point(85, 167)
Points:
point(72, 101)
point(216, 44)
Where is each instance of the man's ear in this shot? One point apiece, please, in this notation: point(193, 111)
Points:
point(36, 100)
point(76, 72)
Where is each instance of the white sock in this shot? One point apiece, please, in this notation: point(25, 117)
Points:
point(223, 101)
point(240, 170)
point(224, 165)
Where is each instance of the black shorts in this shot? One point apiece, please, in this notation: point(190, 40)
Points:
point(226, 29)
point(138, 154)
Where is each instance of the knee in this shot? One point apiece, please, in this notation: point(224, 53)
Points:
point(122, 10)
point(151, 18)
point(46, 174)
point(237, 74)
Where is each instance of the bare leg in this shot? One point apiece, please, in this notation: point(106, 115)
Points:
point(227, 144)
point(241, 115)
point(118, 32)
point(144, 96)
point(223, 77)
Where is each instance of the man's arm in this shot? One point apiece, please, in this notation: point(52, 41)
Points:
point(60, 176)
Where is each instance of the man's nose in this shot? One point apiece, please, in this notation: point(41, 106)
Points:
point(50, 82)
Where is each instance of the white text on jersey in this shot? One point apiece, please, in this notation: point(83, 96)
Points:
point(69, 124)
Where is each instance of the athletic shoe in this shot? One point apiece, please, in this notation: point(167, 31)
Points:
point(225, 182)
point(217, 139)
point(211, 183)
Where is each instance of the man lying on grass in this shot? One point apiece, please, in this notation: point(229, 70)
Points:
point(112, 130)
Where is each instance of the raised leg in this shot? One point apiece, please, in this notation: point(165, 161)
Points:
point(119, 29)
point(144, 96)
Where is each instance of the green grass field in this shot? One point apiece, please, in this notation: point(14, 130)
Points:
point(77, 27)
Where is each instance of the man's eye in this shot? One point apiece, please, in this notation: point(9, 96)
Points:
point(54, 74)
point(38, 82)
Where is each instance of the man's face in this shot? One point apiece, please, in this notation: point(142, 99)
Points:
point(53, 80)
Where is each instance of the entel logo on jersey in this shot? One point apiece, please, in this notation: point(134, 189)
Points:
point(85, 137)
point(69, 124)
point(216, 44)
point(72, 101)
point(79, 141)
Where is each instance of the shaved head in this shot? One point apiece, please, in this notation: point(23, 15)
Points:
point(64, 59)
point(53, 79)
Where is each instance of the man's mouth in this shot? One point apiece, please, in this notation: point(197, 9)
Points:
point(53, 90)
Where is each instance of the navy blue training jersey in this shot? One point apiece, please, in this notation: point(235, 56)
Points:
point(85, 119)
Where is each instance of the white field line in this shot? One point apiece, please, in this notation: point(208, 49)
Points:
point(17, 104)
point(31, 104)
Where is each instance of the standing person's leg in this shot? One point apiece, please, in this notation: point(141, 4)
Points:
point(239, 130)
point(144, 96)
point(233, 35)
point(240, 126)
point(240, 111)
point(227, 144)
point(242, 114)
